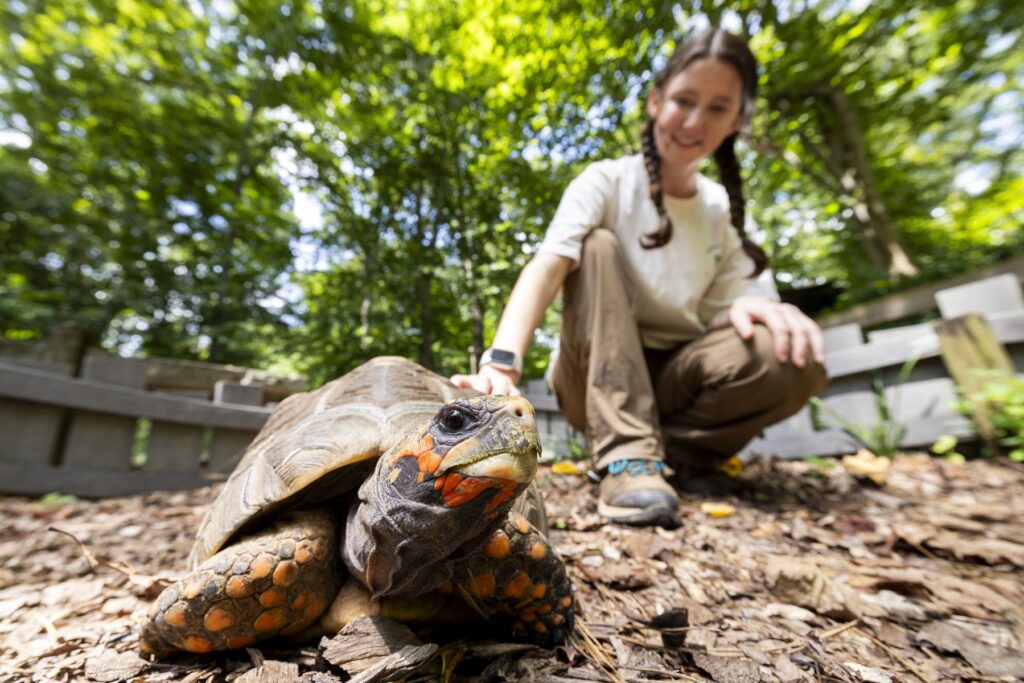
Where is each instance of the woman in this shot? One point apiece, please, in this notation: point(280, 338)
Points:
point(672, 348)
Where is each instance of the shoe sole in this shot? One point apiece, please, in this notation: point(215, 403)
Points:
point(659, 514)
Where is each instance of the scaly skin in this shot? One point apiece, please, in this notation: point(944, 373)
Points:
point(518, 576)
point(276, 582)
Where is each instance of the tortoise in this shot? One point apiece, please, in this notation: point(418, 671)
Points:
point(389, 475)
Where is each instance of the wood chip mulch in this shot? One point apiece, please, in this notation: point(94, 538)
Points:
point(805, 573)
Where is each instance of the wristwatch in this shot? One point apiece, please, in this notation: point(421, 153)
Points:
point(502, 359)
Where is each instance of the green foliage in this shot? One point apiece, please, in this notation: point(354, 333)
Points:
point(1002, 400)
point(156, 159)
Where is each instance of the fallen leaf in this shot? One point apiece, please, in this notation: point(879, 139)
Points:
point(728, 669)
point(867, 464)
point(717, 510)
point(987, 659)
point(567, 467)
point(868, 674)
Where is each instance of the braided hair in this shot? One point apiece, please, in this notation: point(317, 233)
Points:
point(731, 49)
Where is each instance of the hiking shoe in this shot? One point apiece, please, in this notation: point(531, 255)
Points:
point(720, 480)
point(635, 492)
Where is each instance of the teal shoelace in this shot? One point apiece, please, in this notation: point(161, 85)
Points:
point(636, 468)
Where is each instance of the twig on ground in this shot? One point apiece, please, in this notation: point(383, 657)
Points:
point(889, 651)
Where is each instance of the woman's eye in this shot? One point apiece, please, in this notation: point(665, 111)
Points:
point(454, 419)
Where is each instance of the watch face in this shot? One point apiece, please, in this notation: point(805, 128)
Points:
point(503, 357)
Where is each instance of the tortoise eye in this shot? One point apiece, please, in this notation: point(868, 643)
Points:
point(453, 419)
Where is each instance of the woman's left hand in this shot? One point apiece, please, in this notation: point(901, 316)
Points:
point(794, 333)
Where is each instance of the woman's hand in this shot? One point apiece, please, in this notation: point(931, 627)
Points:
point(490, 380)
point(794, 333)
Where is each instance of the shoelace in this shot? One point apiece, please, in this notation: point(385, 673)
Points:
point(636, 468)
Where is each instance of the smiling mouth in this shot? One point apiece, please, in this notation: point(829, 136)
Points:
point(694, 143)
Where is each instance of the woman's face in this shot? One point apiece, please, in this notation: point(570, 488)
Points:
point(695, 110)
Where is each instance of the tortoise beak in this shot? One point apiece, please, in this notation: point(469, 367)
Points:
point(508, 450)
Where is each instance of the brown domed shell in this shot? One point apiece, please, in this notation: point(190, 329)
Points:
point(350, 420)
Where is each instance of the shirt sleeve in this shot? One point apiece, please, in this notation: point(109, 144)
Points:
point(732, 280)
point(585, 205)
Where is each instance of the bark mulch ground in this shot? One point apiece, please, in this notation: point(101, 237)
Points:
point(807, 573)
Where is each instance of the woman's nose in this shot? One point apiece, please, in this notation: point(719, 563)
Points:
point(694, 118)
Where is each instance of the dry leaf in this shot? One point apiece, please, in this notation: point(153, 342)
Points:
point(717, 510)
point(867, 464)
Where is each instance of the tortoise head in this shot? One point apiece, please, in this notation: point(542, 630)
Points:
point(441, 490)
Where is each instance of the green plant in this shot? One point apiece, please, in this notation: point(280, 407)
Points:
point(884, 436)
point(1001, 399)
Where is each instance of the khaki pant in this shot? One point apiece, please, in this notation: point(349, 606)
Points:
point(696, 405)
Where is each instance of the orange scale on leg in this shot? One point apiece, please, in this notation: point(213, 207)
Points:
point(517, 585)
point(176, 616)
point(539, 590)
point(286, 573)
point(196, 644)
point(272, 597)
point(193, 587)
point(236, 642)
point(218, 619)
point(238, 587)
point(271, 620)
point(262, 566)
point(498, 546)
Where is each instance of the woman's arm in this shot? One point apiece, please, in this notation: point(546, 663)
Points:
point(536, 288)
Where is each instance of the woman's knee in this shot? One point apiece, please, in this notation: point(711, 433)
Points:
point(795, 384)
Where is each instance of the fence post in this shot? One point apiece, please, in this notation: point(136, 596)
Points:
point(96, 439)
point(175, 447)
point(228, 444)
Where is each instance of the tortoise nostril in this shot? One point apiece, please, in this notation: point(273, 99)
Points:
point(519, 412)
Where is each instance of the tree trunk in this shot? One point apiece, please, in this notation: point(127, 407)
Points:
point(858, 179)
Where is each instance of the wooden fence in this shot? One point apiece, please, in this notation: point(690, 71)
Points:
point(901, 367)
point(116, 430)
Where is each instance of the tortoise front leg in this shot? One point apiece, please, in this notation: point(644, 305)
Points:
point(276, 582)
point(518, 575)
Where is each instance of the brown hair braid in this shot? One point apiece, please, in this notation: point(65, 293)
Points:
point(733, 50)
point(653, 163)
point(729, 175)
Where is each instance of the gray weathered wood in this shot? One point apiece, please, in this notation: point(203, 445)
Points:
point(849, 399)
point(40, 387)
point(991, 295)
point(30, 430)
point(907, 332)
point(228, 445)
point(32, 479)
point(98, 439)
point(842, 337)
point(173, 374)
point(174, 447)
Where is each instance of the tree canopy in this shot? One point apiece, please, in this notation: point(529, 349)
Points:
point(305, 184)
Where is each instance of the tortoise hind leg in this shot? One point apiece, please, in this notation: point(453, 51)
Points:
point(276, 582)
point(517, 575)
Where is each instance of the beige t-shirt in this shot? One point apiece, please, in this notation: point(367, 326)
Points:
point(680, 286)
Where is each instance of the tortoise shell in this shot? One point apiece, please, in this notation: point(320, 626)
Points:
point(313, 444)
